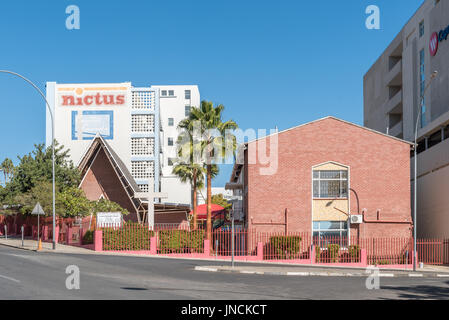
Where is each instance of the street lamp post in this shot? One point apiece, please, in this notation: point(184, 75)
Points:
point(53, 144)
point(415, 253)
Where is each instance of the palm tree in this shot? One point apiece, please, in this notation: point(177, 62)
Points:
point(194, 174)
point(7, 167)
point(213, 141)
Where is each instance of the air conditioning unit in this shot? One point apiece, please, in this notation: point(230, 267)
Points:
point(356, 218)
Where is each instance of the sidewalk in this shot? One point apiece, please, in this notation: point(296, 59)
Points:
point(251, 267)
point(319, 270)
point(29, 244)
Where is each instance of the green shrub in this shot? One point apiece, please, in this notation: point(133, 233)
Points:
point(333, 250)
point(287, 247)
point(318, 254)
point(131, 236)
point(88, 237)
point(181, 241)
point(354, 253)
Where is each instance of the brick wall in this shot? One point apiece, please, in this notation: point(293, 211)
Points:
point(102, 179)
point(379, 174)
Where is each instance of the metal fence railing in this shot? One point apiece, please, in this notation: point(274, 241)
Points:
point(269, 246)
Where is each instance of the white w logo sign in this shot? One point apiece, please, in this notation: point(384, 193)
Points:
point(433, 45)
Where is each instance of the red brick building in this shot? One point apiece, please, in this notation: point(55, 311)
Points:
point(327, 170)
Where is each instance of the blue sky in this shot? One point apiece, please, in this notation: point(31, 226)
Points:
point(271, 63)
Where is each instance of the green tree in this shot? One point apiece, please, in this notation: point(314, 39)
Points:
point(37, 166)
point(74, 203)
point(221, 201)
point(105, 205)
point(42, 192)
point(215, 141)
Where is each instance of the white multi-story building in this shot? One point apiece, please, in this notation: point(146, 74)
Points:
point(140, 124)
point(175, 104)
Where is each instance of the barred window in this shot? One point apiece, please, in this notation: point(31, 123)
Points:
point(330, 232)
point(187, 94)
point(171, 122)
point(187, 111)
point(170, 141)
point(330, 184)
point(142, 146)
point(142, 123)
point(142, 169)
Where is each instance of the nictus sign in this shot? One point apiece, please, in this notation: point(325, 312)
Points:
point(92, 96)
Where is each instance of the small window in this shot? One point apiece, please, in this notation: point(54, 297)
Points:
point(170, 141)
point(170, 122)
point(421, 28)
point(330, 232)
point(171, 93)
point(164, 93)
point(171, 161)
point(187, 94)
point(421, 146)
point(187, 111)
point(434, 139)
point(446, 132)
point(330, 184)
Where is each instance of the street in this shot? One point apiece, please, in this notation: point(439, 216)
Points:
point(31, 275)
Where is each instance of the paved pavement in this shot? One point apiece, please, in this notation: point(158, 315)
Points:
point(26, 274)
point(304, 271)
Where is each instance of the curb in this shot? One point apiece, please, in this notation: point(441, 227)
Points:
point(323, 273)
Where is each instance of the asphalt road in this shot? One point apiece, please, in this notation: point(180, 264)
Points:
point(31, 275)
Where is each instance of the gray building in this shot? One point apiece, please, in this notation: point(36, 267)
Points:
point(394, 88)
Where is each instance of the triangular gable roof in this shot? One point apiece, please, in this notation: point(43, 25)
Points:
point(237, 167)
point(334, 118)
point(122, 171)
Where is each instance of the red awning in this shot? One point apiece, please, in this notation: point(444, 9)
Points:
point(201, 211)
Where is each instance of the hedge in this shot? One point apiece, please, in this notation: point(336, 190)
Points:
point(88, 237)
point(181, 241)
point(287, 247)
point(131, 236)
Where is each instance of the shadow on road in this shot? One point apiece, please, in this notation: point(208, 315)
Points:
point(422, 291)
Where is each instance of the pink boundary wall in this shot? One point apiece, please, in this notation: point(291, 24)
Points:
point(98, 246)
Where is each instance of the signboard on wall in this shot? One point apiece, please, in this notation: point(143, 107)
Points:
point(86, 124)
point(109, 219)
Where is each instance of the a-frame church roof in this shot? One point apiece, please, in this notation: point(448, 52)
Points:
point(100, 148)
point(103, 172)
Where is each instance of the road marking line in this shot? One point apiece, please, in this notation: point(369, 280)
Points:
point(443, 275)
point(248, 272)
point(323, 274)
point(386, 275)
point(297, 273)
point(8, 278)
point(415, 275)
point(205, 269)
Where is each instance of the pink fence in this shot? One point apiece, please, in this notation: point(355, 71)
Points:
point(180, 239)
